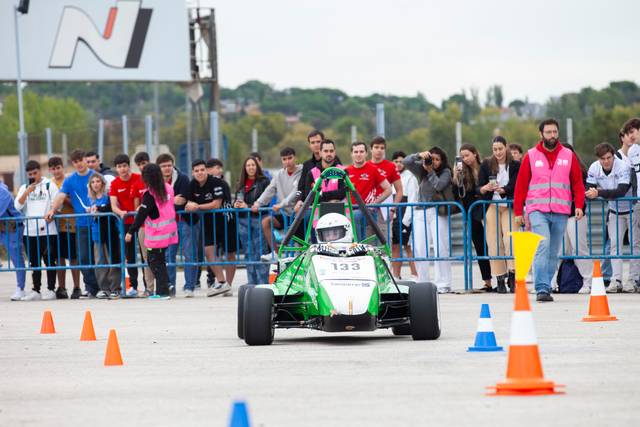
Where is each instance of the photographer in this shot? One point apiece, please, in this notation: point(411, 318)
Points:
point(40, 236)
point(434, 176)
point(496, 181)
point(465, 180)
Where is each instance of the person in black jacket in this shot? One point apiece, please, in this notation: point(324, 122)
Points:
point(180, 184)
point(465, 181)
point(497, 181)
point(251, 185)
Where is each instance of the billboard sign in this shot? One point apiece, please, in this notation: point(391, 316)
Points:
point(97, 40)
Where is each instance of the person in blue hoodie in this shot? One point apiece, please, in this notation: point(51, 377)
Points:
point(11, 238)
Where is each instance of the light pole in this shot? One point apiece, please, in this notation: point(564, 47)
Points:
point(22, 8)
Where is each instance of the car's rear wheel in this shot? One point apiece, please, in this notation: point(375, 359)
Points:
point(423, 311)
point(258, 316)
point(241, 292)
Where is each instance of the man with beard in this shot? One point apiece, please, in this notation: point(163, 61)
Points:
point(548, 181)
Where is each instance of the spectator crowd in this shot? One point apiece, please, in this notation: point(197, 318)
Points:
point(92, 219)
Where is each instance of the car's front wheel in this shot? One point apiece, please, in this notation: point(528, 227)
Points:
point(423, 311)
point(258, 316)
point(241, 292)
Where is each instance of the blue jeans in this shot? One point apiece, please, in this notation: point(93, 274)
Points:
point(184, 239)
point(191, 239)
point(253, 245)
point(551, 226)
point(12, 242)
point(85, 257)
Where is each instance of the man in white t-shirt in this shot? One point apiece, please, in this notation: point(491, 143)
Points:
point(610, 178)
point(40, 236)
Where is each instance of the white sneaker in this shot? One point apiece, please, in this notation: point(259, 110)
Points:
point(18, 295)
point(218, 288)
point(273, 257)
point(629, 287)
point(188, 293)
point(47, 295)
point(32, 296)
point(444, 290)
point(229, 293)
point(132, 293)
point(614, 287)
point(585, 289)
point(102, 295)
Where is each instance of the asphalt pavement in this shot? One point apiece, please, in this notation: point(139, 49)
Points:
point(184, 365)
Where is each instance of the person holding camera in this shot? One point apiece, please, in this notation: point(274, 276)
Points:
point(465, 180)
point(496, 181)
point(40, 237)
point(433, 173)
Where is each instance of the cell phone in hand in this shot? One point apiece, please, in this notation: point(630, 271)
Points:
point(31, 180)
point(458, 162)
point(493, 180)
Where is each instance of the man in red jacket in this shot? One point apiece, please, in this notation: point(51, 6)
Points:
point(548, 181)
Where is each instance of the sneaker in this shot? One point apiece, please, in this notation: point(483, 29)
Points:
point(172, 290)
point(444, 290)
point(48, 294)
point(102, 295)
point(544, 297)
point(159, 297)
point(270, 257)
point(218, 288)
point(229, 293)
point(61, 293)
point(146, 293)
point(131, 293)
point(17, 295)
point(114, 295)
point(585, 289)
point(629, 287)
point(32, 296)
point(188, 293)
point(614, 287)
point(75, 294)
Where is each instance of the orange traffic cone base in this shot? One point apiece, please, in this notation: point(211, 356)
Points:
point(599, 318)
point(525, 387)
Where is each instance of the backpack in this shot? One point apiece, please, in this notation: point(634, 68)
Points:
point(569, 279)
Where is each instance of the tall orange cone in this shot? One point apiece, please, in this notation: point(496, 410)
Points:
point(47, 323)
point(524, 368)
point(113, 357)
point(598, 302)
point(88, 333)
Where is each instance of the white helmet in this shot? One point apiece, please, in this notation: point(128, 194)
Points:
point(334, 228)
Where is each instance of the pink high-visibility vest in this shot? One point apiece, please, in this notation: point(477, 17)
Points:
point(550, 188)
point(162, 231)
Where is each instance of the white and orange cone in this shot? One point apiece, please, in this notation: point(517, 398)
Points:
point(524, 368)
point(598, 301)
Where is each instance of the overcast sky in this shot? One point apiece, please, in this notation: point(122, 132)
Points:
point(534, 49)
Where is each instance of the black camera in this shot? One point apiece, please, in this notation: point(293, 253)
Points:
point(31, 180)
point(427, 161)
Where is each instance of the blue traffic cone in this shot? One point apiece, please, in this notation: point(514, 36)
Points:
point(239, 415)
point(485, 337)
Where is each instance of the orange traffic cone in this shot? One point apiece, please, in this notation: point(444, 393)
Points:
point(524, 368)
point(598, 302)
point(47, 323)
point(88, 333)
point(113, 357)
point(127, 283)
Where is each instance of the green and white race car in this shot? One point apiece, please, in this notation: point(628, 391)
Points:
point(338, 284)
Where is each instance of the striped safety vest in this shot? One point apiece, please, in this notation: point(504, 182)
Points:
point(550, 188)
point(162, 231)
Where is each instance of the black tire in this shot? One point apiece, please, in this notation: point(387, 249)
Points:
point(423, 311)
point(258, 316)
point(401, 329)
point(242, 290)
